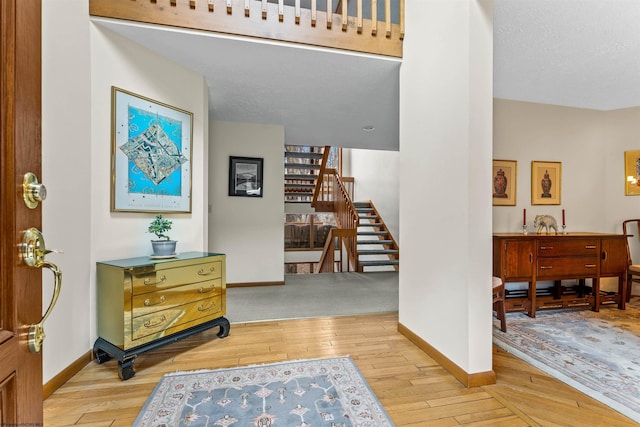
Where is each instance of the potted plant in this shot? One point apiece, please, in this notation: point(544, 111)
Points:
point(163, 245)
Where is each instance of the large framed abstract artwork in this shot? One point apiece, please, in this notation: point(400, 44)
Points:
point(150, 155)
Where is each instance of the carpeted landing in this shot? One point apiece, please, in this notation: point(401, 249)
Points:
point(315, 295)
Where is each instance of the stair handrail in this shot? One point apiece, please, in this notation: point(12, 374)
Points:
point(332, 195)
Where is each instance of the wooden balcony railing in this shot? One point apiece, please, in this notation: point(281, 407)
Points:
point(271, 20)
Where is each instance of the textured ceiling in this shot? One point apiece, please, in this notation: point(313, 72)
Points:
point(577, 53)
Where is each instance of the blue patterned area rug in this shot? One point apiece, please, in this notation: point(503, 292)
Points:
point(596, 353)
point(317, 392)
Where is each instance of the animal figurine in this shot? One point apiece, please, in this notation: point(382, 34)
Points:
point(545, 221)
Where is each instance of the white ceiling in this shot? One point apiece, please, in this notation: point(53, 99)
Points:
point(577, 53)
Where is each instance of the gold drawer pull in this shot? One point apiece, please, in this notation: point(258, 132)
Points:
point(147, 302)
point(160, 321)
point(212, 305)
point(148, 281)
point(204, 290)
point(590, 246)
point(546, 267)
point(211, 271)
point(544, 248)
point(590, 266)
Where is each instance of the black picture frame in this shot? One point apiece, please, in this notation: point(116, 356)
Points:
point(245, 176)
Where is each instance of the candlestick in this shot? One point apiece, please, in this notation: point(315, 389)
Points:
point(563, 223)
point(524, 217)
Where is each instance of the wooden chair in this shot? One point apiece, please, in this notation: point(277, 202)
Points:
point(633, 270)
point(498, 302)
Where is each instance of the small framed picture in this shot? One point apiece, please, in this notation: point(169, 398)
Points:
point(504, 182)
point(632, 173)
point(245, 176)
point(546, 182)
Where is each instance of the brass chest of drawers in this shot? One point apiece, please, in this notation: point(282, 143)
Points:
point(144, 303)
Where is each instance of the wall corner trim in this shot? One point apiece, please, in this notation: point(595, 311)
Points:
point(477, 379)
point(66, 374)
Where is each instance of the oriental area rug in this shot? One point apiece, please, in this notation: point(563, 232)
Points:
point(596, 353)
point(316, 392)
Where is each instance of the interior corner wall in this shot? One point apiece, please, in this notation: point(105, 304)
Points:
point(249, 230)
point(66, 172)
point(622, 128)
point(117, 61)
point(575, 137)
point(377, 176)
point(445, 156)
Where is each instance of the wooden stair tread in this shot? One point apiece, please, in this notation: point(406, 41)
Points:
point(300, 177)
point(303, 155)
point(300, 166)
point(379, 262)
point(372, 233)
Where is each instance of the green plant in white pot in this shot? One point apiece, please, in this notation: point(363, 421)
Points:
point(163, 246)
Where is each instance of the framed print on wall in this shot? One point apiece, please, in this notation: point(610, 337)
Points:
point(504, 182)
point(150, 155)
point(546, 182)
point(632, 173)
point(245, 176)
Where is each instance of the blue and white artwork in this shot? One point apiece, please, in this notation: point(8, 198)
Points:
point(152, 152)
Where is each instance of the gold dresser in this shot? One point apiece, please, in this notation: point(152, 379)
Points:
point(144, 303)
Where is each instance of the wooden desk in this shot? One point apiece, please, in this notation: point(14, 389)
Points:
point(547, 257)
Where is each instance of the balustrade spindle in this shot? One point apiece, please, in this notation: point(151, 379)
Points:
point(345, 15)
point(247, 8)
point(229, 7)
point(401, 19)
point(264, 9)
point(329, 14)
point(359, 16)
point(387, 16)
point(374, 17)
point(280, 10)
point(210, 5)
point(297, 8)
point(192, 4)
point(314, 13)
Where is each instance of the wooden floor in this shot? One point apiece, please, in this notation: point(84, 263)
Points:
point(414, 389)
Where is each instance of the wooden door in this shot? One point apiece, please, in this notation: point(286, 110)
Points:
point(20, 152)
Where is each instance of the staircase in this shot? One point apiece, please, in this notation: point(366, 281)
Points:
point(301, 166)
point(377, 250)
point(371, 244)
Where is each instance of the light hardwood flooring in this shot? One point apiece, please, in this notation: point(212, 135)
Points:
point(413, 389)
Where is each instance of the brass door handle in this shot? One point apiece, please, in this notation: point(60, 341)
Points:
point(32, 252)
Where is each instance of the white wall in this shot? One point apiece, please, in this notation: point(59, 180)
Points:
point(445, 159)
point(249, 230)
point(66, 172)
point(576, 137)
point(377, 179)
